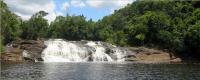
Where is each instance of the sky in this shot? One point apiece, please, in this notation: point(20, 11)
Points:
point(91, 9)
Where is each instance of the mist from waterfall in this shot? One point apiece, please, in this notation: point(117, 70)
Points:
point(59, 50)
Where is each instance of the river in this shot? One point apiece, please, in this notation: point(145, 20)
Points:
point(99, 71)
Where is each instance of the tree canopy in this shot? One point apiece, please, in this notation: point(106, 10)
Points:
point(164, 24)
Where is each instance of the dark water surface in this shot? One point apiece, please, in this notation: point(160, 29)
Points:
point(99, 71)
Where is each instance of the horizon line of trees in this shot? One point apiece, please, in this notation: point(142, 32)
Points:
point(163, 24)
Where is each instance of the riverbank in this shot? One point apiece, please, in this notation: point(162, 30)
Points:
point(23, 50)
point(31, 50)
point(147, 55)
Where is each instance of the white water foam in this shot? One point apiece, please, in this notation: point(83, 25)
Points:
point(59, 50)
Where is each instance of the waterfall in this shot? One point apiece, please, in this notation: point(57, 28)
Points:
point(59, 50)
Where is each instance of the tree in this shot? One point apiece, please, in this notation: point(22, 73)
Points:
point(10, 24)
point(35, 27)
point(149, 25)
point(106, 34)
point(192, 39)
point(57, 28)
point(172, 25)
point(1, 46)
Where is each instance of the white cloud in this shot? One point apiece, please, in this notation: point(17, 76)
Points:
point(95, 3)
point(26, 8)
point(59, 14)
point(122, 3)
point(111, 4)
point(65, 6)
point(77, 3)
point(24, 16)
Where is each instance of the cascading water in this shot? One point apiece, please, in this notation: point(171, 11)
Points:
point(99, 54)
point(59, 50)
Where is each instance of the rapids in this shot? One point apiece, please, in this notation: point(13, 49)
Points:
point(59, 50)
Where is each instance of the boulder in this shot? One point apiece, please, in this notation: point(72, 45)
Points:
point(12, 54)
point(11, 57)
point(146, 55)
point(17, 49)
point(176, 60)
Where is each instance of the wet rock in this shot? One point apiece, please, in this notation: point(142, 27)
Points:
point(12, 50)
point(146, 55)
point(109, 51)
point(12, 54)
point(130, 53)
point(11, 57)
point(176, 60)
point(31, 50)
point(15, 50)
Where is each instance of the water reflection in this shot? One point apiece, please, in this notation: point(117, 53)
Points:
point(99, 71)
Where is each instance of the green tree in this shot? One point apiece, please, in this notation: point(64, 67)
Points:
point(35, 27)
point(1, 45)
point(10, 24)
point(192, 39)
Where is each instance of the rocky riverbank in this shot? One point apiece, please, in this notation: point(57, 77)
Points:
point(30, 50)
point(23, 50)
point(147, 55)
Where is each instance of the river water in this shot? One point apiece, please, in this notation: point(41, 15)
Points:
point(99, 71)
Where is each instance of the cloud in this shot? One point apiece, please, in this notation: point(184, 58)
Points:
point(95, 3)
point(106, 3)
point(26, 8)
point(59, 14)
point(65, 6)
point(112, 4)
point(24, 16)
point(77, 3)
point(122, 3)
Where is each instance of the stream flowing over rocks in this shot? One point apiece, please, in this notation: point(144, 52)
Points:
point(60, 50)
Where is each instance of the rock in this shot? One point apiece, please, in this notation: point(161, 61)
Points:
point(15, 50)
point(11, 57)
point(12, 54)
point(108, 51)
point(33, 48)
point(130, 54)
point(176, 60)
point(145, 55)
point(130, 59)
point(161, 57)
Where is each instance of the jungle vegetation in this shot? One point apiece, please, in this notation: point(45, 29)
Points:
point(163, 24)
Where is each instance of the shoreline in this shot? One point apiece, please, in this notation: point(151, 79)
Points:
point(137, 54)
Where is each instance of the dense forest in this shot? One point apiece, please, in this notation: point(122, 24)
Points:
point(163, 24)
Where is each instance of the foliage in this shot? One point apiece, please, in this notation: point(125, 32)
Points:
point(71, 28)
point(10, 24)
point(192, 39)
point(1, 46)
point(164, 24)
point(35, 27)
